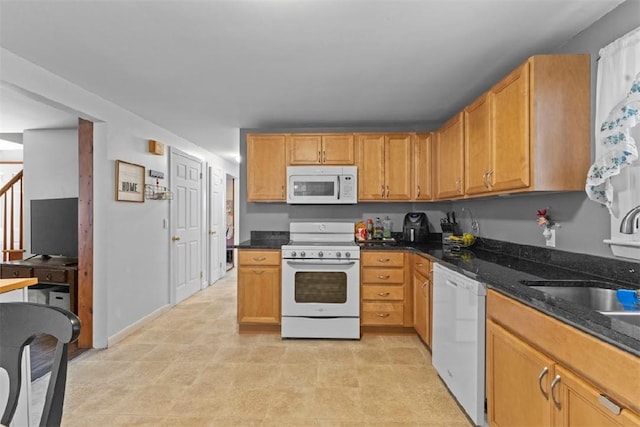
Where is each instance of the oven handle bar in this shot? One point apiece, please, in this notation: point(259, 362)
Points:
point(320, 262)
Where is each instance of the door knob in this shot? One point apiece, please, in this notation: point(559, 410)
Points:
point(212, 232)
point(175, 238)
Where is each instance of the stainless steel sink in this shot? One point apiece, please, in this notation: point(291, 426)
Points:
point(598, 299)
point(632, 317)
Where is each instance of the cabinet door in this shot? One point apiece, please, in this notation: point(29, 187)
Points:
point(422, 168)
point(371, 167)
point(422, 298)
point(477, 145)
point(517, 383)
point(510, 118)
point(398, 161)
point(304, 149)
point(576, 403)
point(338, 149)
point(420, 306)
point(266, 168)
point(259, 295)
point(449, 159)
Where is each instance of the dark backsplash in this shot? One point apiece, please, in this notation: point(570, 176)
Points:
point(607, 268)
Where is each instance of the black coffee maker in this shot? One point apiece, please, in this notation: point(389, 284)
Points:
point(415, 228)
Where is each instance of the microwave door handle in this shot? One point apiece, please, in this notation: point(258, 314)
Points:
point(339, 179)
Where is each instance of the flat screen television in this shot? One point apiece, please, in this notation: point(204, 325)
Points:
point(54, 227)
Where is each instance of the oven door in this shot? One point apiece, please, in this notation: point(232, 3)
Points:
point(320, 288)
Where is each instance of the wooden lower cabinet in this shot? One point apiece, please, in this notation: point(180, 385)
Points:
point(258, 287)
point(542, 372)
point(422, 297)
point(578, 403)
point(517, 381)
point(386, 296)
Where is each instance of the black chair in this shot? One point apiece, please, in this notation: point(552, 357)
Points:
point(20, 322)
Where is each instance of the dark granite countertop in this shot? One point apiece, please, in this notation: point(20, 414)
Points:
point(502, 265)
point(502, 273)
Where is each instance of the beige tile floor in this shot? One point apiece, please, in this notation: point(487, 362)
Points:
point(191, 367)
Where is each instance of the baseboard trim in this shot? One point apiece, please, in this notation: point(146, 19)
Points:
point(119, 336)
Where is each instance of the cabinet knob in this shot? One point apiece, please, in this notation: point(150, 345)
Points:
point(15, 274)
point(48, 277)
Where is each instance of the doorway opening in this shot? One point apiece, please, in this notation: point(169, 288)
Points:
point(230, 221)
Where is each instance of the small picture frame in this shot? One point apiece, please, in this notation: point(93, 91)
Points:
point(129, 182)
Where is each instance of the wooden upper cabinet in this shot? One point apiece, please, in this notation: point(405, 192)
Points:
point(371, 167)
point(422, 167)
point(478, 146)
point(329, 149)
point(338, 149)
point(384, 166)
point(398, 170)
point(510, 130)
point(448, 159)
point(266, 168)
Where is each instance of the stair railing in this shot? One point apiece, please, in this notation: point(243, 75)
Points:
point(11, 197)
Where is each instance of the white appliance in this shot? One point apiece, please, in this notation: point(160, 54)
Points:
point(322, 184)
point(458, 341)
point(321, 281)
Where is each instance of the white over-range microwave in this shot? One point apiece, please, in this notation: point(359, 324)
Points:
point(322, 185)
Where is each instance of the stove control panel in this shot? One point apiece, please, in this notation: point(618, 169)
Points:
point(317, 254)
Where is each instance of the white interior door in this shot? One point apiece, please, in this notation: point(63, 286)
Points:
point(216, 210)
point(186, 224)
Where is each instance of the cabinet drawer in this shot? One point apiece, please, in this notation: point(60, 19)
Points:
point(382, 259)
point(56, 276)
point(382, 275)
point(258, 257)
point(11, 272)
point(382, 293)
point(382, 313)
point(422, 265)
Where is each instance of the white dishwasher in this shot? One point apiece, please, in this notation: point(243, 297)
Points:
point(458, 338)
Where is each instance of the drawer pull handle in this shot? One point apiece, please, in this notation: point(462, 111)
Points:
point(383, 315)
point(48, 276)
point(419, 264)
point(15, 274)
point(610, 405)
point(544, 372)
point(383, 294)
point(258, 271)
point(383, 277)
point(554, 383)
point(259, 258)
point(384, 259)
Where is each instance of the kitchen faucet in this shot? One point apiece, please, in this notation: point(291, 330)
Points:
point(629, 224)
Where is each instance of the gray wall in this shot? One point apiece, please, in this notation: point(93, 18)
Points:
point(584, 224)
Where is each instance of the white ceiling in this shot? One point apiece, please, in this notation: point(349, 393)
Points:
point(198, 67)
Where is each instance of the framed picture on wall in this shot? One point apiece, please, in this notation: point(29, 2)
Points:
point(129, 182)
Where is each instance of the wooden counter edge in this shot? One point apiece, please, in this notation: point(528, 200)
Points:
point(7, 285)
